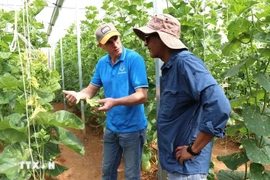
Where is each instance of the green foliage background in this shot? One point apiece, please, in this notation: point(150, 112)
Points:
point(29, 129)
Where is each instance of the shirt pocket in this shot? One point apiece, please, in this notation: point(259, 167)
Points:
point(169, 107)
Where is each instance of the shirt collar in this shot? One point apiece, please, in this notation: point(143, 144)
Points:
point(171, 60)
point(121, 58)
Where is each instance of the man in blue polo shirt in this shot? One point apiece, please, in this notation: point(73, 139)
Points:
point(122, 74)
point(193, 107)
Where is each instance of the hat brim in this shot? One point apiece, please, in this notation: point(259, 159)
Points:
point(142, 31)
point(170, 41)
point(108, 36)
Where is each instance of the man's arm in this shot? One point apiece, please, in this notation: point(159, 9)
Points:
point(88, 92)
point(216, 112)
point(139, 97)
point(201, 141)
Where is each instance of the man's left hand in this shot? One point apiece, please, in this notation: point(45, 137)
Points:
point(108, 103)
point(182, 154)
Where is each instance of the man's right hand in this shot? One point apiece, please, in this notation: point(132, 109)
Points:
point(73, 96)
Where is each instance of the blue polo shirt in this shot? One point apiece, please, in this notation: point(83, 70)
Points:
point(119, 80)
point(191, 101)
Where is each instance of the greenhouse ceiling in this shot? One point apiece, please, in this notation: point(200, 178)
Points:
point(60, 14)
point(57, 16)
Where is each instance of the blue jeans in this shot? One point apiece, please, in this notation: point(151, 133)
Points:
point(178, 176)
point(128, 145)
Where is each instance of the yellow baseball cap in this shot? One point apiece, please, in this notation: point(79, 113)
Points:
point(105, 32)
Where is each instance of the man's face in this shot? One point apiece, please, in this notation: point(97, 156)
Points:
point(154, 44)
point(113, 46)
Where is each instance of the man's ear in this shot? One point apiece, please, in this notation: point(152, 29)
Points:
point(101, 46)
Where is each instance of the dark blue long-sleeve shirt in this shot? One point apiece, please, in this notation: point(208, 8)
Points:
point(191, 101)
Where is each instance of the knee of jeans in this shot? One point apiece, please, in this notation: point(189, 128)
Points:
point(132, 175)
point(106, 169)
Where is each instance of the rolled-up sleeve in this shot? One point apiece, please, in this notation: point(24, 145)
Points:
point(203, 88)
point(216, 111)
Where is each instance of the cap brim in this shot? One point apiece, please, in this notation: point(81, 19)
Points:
point(169, 40)
point(108, 36)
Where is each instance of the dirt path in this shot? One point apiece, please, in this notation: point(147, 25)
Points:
point(89, 166)
point(83, 168)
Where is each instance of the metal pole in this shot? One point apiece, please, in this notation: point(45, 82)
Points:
point(53, 52)
point(162, 174)
point(63, 75)
point(79, 63)
point(49, 58)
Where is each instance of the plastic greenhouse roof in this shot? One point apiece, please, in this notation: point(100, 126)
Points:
point(71, 9)
point(68, 13)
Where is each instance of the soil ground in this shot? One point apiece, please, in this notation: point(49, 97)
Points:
point(88, 167)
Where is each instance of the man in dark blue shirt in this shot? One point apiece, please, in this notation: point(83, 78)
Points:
point(193, 107)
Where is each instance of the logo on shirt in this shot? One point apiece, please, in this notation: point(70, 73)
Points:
point(122, 70)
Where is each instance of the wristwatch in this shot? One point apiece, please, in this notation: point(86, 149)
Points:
point(189, 149)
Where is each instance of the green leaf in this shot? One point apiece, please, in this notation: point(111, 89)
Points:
point(240, 6)
point(4, 99)
point(230, 175)
point(68, 139)
point(60, 118)
point(239, 29)
point(14, 121)
point(231, 130)
point(150, 107)
point(12, 136)
point(262, 80)
point(4, 45)
point(238, 101)
point(256, 154)
point(51, 151)
point(229, 47)
point(10, 160)
point(265, 52)
point(8, 16)
point(211, 173)
point(4, 55)
point(259, 94)
point(8, 38)
point(93, 101)
point(59, 169)
point(234, 161)
point(46, 96)
point(235, 69)
point(20, 105)
point(4, 125)
point(14, 69)
point(8, 81)
point(257, 171)
point(253, 117)
point(262, 37)
point(182, 10)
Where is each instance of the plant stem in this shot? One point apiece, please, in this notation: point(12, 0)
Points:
point(265, 92)
point(246, 171)
point(261, 140)
point(249, 85)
